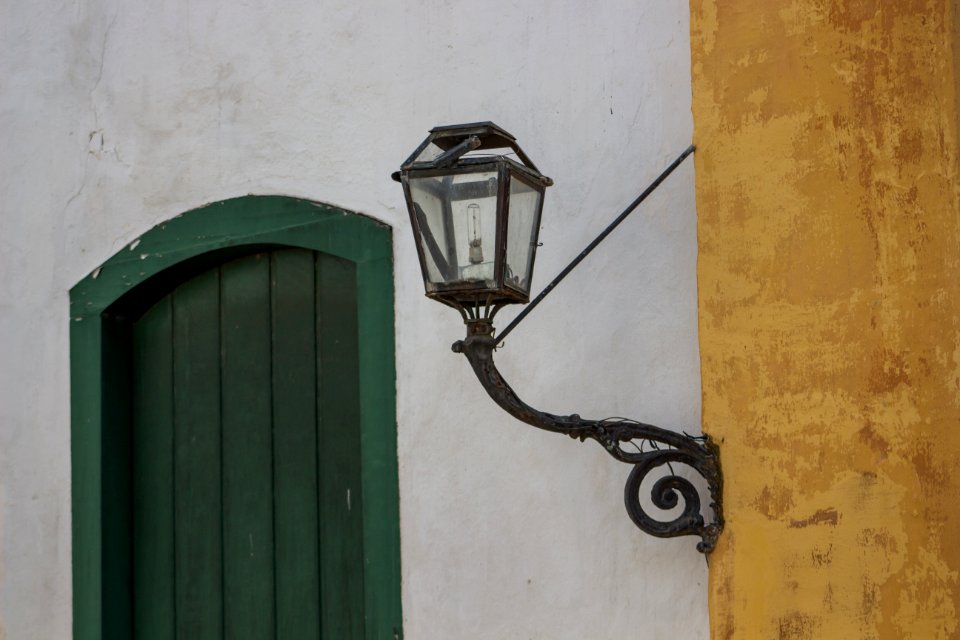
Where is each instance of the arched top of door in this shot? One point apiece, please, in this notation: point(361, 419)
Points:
point(191, 242)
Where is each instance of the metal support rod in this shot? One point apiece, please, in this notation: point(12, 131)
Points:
point(593, 245)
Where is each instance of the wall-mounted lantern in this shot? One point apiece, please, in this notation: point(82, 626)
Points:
point(475, 216)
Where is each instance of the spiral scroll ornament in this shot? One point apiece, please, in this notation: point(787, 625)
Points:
point(646, 447)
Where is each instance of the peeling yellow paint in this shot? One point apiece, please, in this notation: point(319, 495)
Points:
point(829, 296)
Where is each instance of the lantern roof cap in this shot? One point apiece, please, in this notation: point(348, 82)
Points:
point(492, 135)
point(447, 144)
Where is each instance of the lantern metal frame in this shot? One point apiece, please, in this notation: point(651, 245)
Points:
point(456, 141)
point(645, 446)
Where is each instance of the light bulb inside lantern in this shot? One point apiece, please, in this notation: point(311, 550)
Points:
point(474, 240)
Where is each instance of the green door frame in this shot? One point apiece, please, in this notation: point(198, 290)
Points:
point(100, 415)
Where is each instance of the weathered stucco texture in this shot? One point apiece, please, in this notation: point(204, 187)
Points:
point(829, 320)
point(116, 116)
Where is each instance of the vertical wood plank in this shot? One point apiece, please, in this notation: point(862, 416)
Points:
point(153, 490)
point(381, 502)
point(295, 445)
point(196, 329)
point(248, 580)
point(341, 500)
point(117, 569)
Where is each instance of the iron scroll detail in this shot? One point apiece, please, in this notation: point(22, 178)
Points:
point(666, 448)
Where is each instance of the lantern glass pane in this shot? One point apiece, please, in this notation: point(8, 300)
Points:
point(458, 228)
point(429, 153)
point(522, 227)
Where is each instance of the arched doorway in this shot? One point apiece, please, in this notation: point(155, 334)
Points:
point(233, 429)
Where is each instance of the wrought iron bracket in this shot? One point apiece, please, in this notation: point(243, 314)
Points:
point(666, 448)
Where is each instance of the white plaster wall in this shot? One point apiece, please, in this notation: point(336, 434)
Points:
point(115, 116)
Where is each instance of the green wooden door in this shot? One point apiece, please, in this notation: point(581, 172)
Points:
point(246, 461)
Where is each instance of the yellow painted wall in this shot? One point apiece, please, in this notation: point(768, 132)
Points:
point(829, 277)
